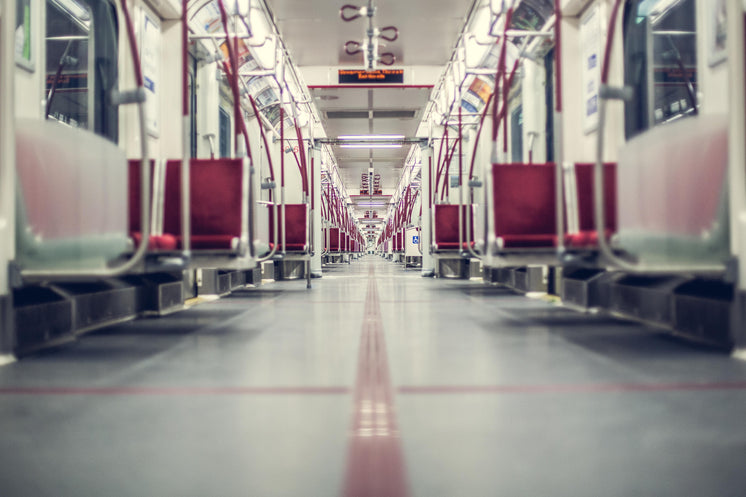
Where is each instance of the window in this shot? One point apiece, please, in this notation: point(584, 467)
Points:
point(660, 47)
point(81, 65)
point(549, 102)
point(225, 134)
point(516, 134)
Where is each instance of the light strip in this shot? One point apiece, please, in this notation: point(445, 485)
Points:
point(371, 145)
point(371, 137)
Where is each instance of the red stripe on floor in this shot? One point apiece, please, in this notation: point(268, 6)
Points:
point(572, 388)
point(375, 464)
point(173, 391)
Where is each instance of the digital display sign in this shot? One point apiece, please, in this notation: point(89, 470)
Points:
point(380, 76)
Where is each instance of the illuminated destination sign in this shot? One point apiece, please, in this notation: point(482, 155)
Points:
point(380, 76)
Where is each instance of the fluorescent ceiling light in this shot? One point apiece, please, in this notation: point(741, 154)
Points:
point(371, 145)
point(371, 137)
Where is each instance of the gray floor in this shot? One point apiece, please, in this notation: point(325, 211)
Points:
point(494, 394)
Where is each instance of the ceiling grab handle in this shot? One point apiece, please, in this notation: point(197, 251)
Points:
point(359, 12)
point(387, 59)
point(392, 37)
point(353, 47)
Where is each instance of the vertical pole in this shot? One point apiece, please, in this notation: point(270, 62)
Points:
point(460, 182)
point(737, 137)
point(428, 266)
point(559, 155)
point(186, 228)
point(282, 170)
point(737, 161)
point(318, 245)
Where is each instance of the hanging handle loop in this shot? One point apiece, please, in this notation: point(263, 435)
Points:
point(346, 17)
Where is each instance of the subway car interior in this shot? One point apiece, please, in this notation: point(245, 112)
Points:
point(389, 248)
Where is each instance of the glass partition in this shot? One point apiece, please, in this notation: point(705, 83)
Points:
point(660, 47)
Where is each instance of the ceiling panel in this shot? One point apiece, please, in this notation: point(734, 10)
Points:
point(314, 32)
point(315, 36)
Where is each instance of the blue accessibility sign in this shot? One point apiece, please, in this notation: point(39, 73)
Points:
point(416, 239)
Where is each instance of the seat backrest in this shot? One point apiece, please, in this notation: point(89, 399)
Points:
point(216, 190)
point(172, 198)
point(446, 223)
point(296, 227)
point(216, 196)
point(334, 240)
point(584, 174)
point(671, 177)
point(523, 199)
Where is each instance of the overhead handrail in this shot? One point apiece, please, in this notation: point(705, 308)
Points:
point(500, 76)
point(232, 73)
point(264, 138)
point(233, 78)
point(271, 185)
point(447, 167)
point(443, 139)
point(607, 92)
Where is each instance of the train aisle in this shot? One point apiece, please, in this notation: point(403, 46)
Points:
point(375, 383)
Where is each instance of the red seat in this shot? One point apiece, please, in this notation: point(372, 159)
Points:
point(524, 205)
point(446, 227)
point(587, 236)
point(296, 227)
point(334, 238)
point(215, 200)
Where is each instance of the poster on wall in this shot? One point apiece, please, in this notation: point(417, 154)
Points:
point(150, 54)
point(23, 34)
point(590, 42)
